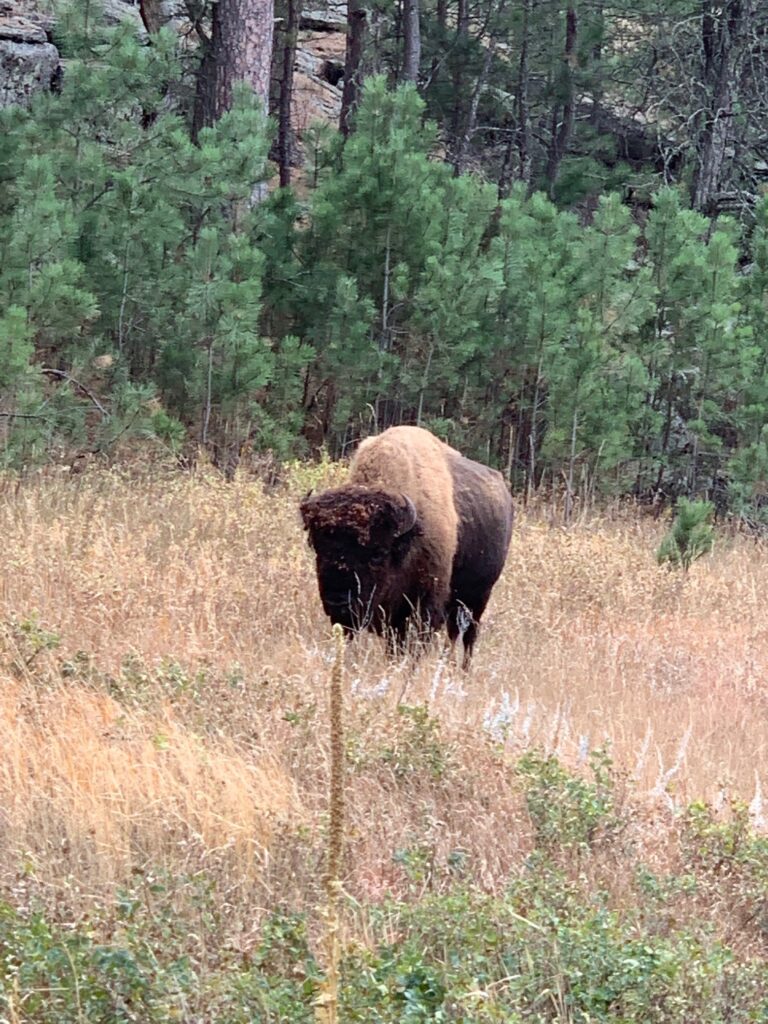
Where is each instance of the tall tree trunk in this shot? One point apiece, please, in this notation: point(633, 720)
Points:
point(152, 15)
point(563, 117)
point(412, 41)
point(206, 74)
point(598, 70)
point(720, 32)
point(462, 147)
point(441, 14)
point(519, 126)
point(523, 134)
point(284, 135)
point(239, 50)
point(507, 163)
point(356, 25)
point(459, 69)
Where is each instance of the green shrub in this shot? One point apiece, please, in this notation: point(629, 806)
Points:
point(547, 949)
point(567, 812)
point(730, 861)
point(418, 748)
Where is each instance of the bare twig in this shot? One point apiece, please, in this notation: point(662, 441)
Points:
point(63, 375)
point(22, 416)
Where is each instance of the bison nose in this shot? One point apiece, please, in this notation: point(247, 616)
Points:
point(340, 587)
point(340, 609)
point(341, 602)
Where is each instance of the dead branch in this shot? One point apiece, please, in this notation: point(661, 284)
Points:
point(62, 375)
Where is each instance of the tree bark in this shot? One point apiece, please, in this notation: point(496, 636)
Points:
point(239, 50)
point(459, 68)
point(462, 147)
point(563, 116)
point(151, 15)
point(598, 70)
point(356, 25)
point(412, 41)
point(441, 15)
point(523, 134)
point(505, 173)
point(284, 134)
point(720, 39)
point(462, 18)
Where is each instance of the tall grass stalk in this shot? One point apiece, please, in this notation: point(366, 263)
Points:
point(327, 1003)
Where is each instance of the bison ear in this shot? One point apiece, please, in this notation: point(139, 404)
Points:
point(407, 517)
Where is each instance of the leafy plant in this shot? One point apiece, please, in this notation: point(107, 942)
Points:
point(418, 747)
point(728, 856)
point(26, 639)
point(567, 812)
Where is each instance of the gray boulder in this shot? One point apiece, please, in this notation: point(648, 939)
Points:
point(118, 11)
point(28, 62)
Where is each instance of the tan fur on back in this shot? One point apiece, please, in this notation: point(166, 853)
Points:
point(411, 461)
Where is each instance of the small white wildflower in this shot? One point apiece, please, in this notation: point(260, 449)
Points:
point(640, 764)
point(756, 807)
point(498, 722)
point(439, 669)
point(583, 748)
point(525, 730)
point(381, 688)
point(721, 800)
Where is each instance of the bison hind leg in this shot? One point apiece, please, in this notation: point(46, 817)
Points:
point(464, 622)
point(461, 623)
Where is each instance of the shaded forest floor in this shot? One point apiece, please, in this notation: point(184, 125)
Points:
point(163, 771)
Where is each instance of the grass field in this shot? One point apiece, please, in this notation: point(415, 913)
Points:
point(163, 711)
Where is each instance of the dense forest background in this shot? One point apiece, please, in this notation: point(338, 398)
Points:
point(538, 229)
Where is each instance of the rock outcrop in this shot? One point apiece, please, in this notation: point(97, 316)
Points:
point(29, 63)
point(319, 69)
point(117, 11)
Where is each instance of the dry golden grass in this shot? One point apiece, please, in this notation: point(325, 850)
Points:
point(181, 723)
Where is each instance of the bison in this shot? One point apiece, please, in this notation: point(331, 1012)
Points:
point(418, 533)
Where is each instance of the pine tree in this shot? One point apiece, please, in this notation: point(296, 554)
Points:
point(534, 249)
point(596, 382)
point(364, 246)
point(690, 537)
point(696, 347)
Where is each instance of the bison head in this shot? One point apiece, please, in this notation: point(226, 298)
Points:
point(361, 538)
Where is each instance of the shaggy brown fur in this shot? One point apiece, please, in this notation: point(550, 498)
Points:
point(377, 567)
point(409, 460)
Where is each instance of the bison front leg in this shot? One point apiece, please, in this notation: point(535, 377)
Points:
point(414, 627)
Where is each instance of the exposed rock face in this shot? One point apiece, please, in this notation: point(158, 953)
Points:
point(28, 62)
point(325, 17)
point(117, 11)
point(318, 81)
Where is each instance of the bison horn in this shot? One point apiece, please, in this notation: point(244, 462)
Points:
point(409, 517)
